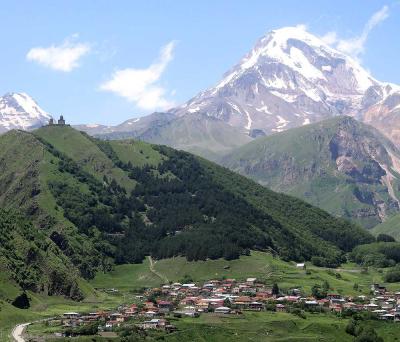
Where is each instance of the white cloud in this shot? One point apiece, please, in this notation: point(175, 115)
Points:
point(330, 38)
point(64, 57)
point(355, 46)
point(140, 86)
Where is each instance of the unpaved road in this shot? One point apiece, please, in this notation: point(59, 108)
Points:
point(164, 278)
point(18, 332)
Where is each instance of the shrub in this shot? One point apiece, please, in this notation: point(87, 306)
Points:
point(392, 276)
point(351, 327)
point(325, 262)
point(385, 238)
point(298, 312)
point(275, 289)
point(22, 301)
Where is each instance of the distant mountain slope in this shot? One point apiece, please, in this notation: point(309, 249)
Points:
point(341, 165)
point(130, 128)
point(102, 203)
point(391, 226)
point(200, 134)
point(20, 111)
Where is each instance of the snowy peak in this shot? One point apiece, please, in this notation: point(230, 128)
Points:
point(289, 79)
point(306, 55)
point(279, 46)
point(20, 111)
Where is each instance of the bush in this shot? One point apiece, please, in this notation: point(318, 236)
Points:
point(378, 254)
point(275, 289)
point(361, 331)
point(392, 276)
point(325, 262)
point(298, 312)
point(89, 329)
point(22, 301)
point(385, 238)
point(367, 334)
point(351, 327)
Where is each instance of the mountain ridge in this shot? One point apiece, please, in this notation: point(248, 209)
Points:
point(343, 166)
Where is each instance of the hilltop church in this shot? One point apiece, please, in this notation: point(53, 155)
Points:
point(60, 122)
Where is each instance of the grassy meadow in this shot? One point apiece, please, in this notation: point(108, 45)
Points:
point(261, 265)
point(251, 326)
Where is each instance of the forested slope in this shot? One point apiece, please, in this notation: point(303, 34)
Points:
point(32, 261)
point(105, 202)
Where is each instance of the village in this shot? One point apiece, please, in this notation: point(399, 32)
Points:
point(154, 308)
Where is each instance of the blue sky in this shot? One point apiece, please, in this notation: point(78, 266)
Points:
point(105, 62)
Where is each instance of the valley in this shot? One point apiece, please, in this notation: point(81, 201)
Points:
point(263, 205)
point(127, 281)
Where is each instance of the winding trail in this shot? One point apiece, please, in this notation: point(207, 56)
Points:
point(152, 263)
point(18, 331)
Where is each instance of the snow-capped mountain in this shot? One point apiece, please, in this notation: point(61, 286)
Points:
point(292, 78)
point(20, 111)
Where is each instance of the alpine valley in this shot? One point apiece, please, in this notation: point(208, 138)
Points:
point(268, 178)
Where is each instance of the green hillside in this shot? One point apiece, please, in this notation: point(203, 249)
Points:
point(262, 265)
point(340, 165)
point(99, 203)
point(33, 261)
point(391, 226)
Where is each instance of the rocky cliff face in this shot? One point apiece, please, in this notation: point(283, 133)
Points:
point(342, 165)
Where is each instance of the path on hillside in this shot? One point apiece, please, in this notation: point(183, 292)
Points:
point(18, 332)
point(152, 263)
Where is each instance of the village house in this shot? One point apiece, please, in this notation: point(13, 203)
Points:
point(150, 306)
point(117, 317)
point(280, 308)
point(311, 303)
point(202, 306)
point(164, 306)
point(323, 302)
point(263, 296)
point(371, 306)
point(150, 314)
point(188, 311)
point(251, 281)
point(71, 315)
point(131, 310)
point(222, 310)
point(242, 302)
point(256, 306)
point(378, 289)
point(155, 323)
